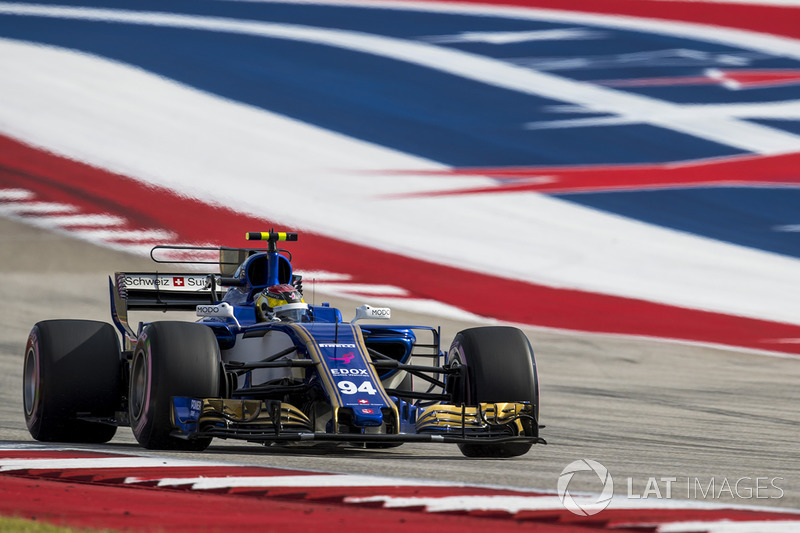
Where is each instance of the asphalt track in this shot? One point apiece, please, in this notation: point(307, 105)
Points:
point(643, 409)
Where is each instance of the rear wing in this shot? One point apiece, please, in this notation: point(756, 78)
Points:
point(159, 291)
point(163, 291)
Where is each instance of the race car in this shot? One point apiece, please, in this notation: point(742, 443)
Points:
point(259, 364)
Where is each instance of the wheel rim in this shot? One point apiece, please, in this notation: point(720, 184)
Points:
point(138, 385)
point(30, 386)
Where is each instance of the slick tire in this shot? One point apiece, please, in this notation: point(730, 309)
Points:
point(170, 359)
point(71, 368)
point(500, 368)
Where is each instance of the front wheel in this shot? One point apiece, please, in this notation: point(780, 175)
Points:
point(170, 359)
point(500, 368)
point(71, 379)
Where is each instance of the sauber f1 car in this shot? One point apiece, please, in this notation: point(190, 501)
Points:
point(262, 365)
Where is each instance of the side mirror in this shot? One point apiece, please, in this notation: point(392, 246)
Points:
point(365, 311)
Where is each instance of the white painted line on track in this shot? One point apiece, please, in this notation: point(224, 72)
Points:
point(315, 480)
point(15, 194)
point(727, 526)
point(7, 465)
point(312, 276)
point(36, 207)
point(128, 235)
point(98, 220)
point(363, 288)
point(515, 504)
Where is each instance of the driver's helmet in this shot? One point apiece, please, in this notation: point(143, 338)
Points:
point(281, 302)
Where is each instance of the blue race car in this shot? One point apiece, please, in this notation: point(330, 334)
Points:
point(262, 365)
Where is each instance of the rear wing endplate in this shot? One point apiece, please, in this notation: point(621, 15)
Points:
point(159, 291)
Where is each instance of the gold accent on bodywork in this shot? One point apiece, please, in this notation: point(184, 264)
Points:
point(252, 412)
point(443, 416)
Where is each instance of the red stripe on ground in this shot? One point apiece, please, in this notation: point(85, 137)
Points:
point(618, 518)
point(49, 454)
point(149, 508)
point(752, 170)
point(59, 179)
point(143, 509)
point(776, 20)
point(76, 497)
point(145, 475)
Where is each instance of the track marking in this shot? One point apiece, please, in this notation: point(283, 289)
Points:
point(730, 131)
point(316, 481)
point(15, 194)
point(514, 507)
point(36, 208)
point(84, 220)
point(9, 465)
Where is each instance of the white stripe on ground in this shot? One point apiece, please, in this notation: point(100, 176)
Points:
point(127, 235)
point(724, 130)
point(320, 480)
point(22, 208)
point(727, 526)
point(15, 195)
point(83, 220)
point(7, 465)
point(515, 504)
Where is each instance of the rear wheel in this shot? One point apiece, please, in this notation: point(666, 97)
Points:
point(71, 370)
point(171, 359)
point(500, 368)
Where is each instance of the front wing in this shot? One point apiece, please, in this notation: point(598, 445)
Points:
point(272, 421)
